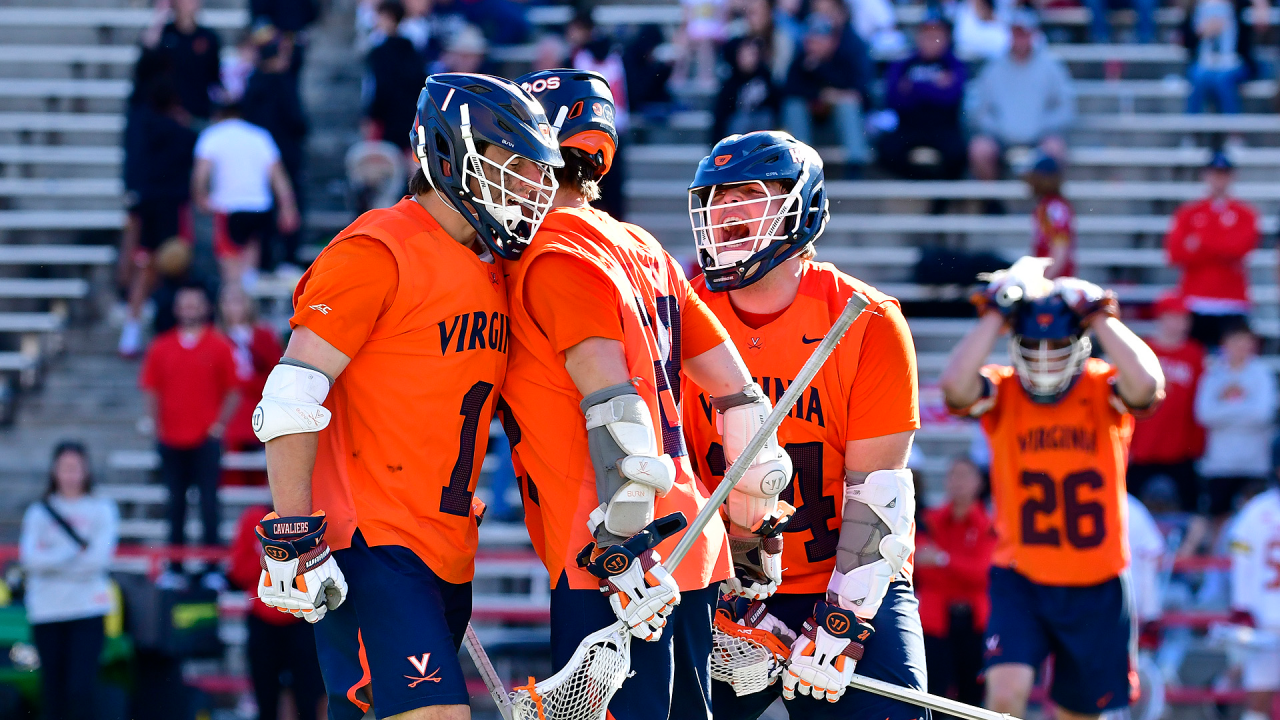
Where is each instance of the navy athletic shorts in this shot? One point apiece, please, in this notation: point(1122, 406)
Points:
point(895, 653)
point(1088, 631)
point(672, 674)
point(397, 635)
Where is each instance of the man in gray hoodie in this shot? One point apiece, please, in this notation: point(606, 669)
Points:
point(1024, 98)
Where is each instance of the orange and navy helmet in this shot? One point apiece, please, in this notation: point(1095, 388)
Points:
point(579, 104)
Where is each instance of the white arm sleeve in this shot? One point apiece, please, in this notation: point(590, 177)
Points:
point(291, 402)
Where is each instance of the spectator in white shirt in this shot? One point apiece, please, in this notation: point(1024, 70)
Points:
point(1236, 404)
point(237, 173)
point(68, 540)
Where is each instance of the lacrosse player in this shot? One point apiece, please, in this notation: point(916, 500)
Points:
point(842, 581)
point(376, 418)
point(604, 325)
point(1255, 592)
point(1059, 424)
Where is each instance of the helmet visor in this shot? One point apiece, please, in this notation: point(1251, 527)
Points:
point(731, 223)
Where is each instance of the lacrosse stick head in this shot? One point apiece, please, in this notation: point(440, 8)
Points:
point(582, 689)
point(749, 659)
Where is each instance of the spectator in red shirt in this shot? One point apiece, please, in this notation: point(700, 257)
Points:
point(189, 376)
point(953, 554)
point(1209, 239)
point(256, 350)
point(278, 642)
point(1169, 440)
point(1054, 232)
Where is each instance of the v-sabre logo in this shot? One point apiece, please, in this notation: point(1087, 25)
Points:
point(421, 666)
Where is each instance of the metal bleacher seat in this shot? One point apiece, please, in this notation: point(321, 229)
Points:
point(52, 87)
point(62, 187)
point(69, 54)
point(61, 122)
point(94, 17)
point(61, 219)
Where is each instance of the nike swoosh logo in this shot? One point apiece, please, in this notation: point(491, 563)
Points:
point(805, 339)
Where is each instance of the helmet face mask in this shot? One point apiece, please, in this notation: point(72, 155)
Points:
point(506, 191)
point(1048, 348)
point(731, 224)
point(757, 201)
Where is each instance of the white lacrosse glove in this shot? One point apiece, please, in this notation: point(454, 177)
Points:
point(757, 556)
point(1086, 300)
point(641, 591)
point(823, 658)
point(1006, 289)
point(299, 574)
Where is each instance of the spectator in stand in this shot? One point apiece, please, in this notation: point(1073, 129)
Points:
point(175, 269)
point(68, 540)
point(953, 554)
point(394, 78)
point(1024, 98)
point(648, 72)
point(465, 51)
point(758, 21)
point(550, 52)
point(829, 78)
point(237, 170)
point(236, 68)
point(1100, 24)
point(271, 101)
point(502, 22)
point(192, 55)
point(1053, 220)
point(925, 92)
point(424, 29)
point(876, 25)
point(158, 149)
point(290, 18)
point(980, 33)
point(1168, 441)
point(1147, 551)
point(279, 644)
point(1217, 65)
point(1210, 240)
point(704, 28)
point(599, 53)
point(256, 350)
point(1255, 596)
point(748, 99)
point(1236, 404)
point(189, 378)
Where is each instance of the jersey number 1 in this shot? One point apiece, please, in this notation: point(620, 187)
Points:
point(455, 498)
point(1080, 534)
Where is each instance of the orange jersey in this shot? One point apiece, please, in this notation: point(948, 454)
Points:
point(424, 321)
point(867, 388)
point(627, 287)
point(1058, 477)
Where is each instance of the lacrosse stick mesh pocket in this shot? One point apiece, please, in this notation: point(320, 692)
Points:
point(747, 658)
point(581, 690)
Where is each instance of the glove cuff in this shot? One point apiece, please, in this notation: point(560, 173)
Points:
point(1108, 305)
point(839, 623)
point(294, 538)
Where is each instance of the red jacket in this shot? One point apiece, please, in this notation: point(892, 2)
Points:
point(1170, 434)
point(254, 362)
point(1209, 240)
point(969, 543)
point(246, 566)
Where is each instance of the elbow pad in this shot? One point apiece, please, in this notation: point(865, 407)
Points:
point(291, 403)
point(630, 474)
point(755, 498)
point(877, 536)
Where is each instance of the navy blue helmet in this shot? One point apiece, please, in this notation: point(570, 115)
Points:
point(579, 104)
point(1048, 347)
point(457, 112)
point(742, 227)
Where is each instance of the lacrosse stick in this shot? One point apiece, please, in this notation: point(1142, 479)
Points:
point(491, 679)
point(585, 685)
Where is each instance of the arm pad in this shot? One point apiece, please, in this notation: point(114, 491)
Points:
point(740, 416)
point(291, 403)
point(876, 538)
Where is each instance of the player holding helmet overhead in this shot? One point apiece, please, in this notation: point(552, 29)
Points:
point(843, 577)
point(1059, 424)
point(604, 326)
point(375, 418)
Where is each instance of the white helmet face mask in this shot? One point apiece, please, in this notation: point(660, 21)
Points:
point(511, 198)
point(1044, 369)
point(731, 232)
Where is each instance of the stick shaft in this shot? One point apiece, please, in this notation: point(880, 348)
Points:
point(857, 303)
point(491, 680)
point(961, 710)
